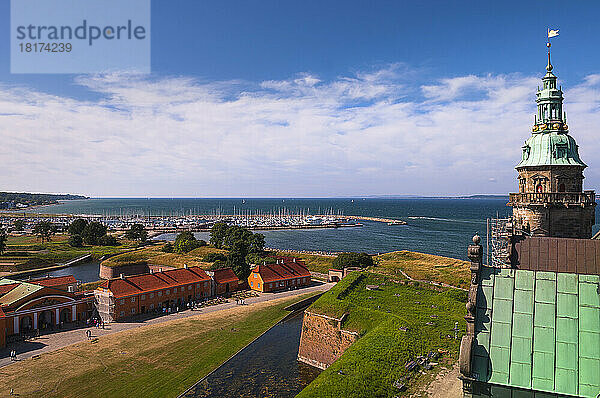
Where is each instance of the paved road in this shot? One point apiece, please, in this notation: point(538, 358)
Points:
point(54, 341)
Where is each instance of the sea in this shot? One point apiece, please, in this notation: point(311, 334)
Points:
point(441, 226)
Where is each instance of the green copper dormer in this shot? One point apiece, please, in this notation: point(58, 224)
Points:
point(550, 143)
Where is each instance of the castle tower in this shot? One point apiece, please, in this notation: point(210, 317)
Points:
point(551, 200)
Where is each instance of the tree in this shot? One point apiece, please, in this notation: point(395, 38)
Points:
point(19, 224)
point(44, 230)
point(217, 234)
point(238, 236)
point(352, 259)
point(92, 232)
point(3, 239)
point(219, 264)
point(213, 257)
point(107, 240)
point(238, 264)
point(257, 243)
point(186, 242)
point(75, 241)
point(77, 226)
point(137, 232)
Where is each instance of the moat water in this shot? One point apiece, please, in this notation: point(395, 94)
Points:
point(266, 368)
point(86, 272)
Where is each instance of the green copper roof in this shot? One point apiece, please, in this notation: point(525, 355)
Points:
point(550, 143)
point(550, 148)
point(24, 289)
point(538, 331)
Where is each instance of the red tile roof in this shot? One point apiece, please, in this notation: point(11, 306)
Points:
point(225, 275)
point(155, 281)
point(55, 281)
point(285, 268)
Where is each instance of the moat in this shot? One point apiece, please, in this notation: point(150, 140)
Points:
point(266, 368)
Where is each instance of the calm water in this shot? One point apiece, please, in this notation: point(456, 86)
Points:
point(87, 272)
point(266, 368)
point(436, 226)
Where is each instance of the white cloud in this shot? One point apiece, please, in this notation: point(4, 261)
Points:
point(359, 134)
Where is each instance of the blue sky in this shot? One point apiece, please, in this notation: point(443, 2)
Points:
point(311, 98)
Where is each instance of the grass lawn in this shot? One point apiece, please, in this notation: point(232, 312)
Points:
point(396, 323)
point(27, 252)
point(314, 262)
point(417, 265)
point(153, 361)
point(154, 255)
point(425, 267)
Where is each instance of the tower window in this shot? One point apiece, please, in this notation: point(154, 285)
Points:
point(526, 150)
point(561, 187)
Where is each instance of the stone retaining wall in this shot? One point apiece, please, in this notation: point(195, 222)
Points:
point(323, 340)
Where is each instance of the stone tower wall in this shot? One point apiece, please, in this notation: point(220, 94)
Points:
point(561, 222)
point(551, 178)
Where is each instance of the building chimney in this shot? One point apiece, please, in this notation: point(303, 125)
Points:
point(294, 260)
point(184, 266)
point(121, 276)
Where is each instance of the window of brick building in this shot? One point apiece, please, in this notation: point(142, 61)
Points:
point(133, 299)
point(143, 297)
point(122, 301)
point(168, 292)
point(151, 295)
point(189, 287)
point(122, 313)
point(159, 294)
point(133, 310)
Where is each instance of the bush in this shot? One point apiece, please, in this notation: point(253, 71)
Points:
point(218, 264)
point(186, 242)
point(108, 240)
point(352, 259)
point(256, 258)
point(213, 257)
point(167, 248)
point(75, 241)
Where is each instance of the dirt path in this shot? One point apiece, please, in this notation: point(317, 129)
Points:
point(446, 385)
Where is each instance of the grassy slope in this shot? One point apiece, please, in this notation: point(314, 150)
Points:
point(154, 255)
point(425, 267)
point(417, 265)
point(372, 364)
point(154, 361)
point(27, 252)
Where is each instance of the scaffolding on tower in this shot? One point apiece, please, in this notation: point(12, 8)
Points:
point(499, 235)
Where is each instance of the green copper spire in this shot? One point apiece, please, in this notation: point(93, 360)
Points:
point(550, 143)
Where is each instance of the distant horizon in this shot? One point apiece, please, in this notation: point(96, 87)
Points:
point(311, 99)
point(407, 196)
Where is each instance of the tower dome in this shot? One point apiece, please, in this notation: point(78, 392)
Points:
point(551, 200)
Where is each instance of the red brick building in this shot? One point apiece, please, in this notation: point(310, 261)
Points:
point(224, 281)
point(287, 272)
point(41, 304)
point(123, 297)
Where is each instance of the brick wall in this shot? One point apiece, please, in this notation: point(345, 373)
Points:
point(322, 340)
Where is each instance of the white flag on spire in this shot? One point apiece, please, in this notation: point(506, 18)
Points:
point(552, 33)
